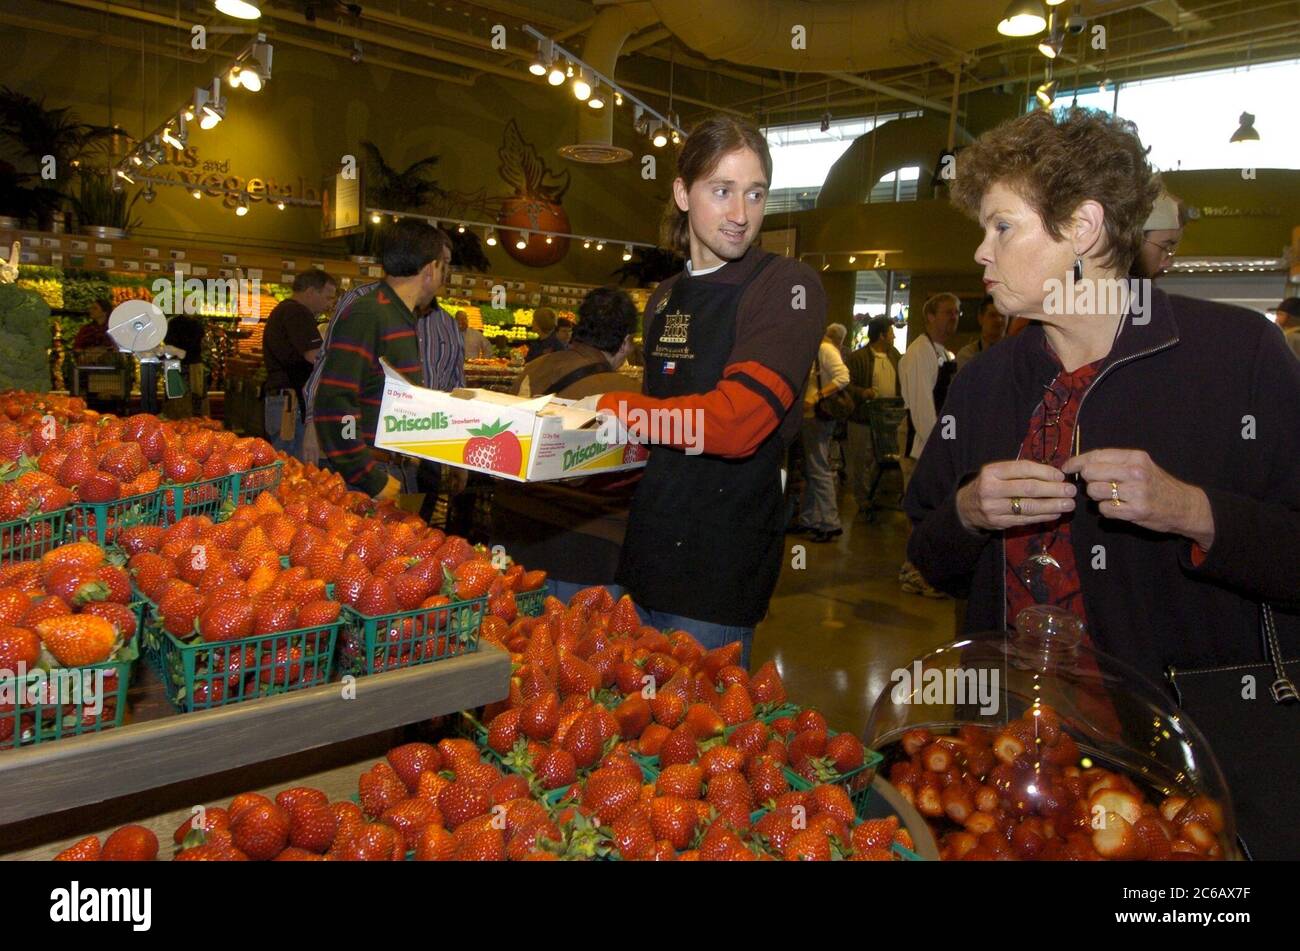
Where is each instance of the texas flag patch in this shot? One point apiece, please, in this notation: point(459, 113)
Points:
point(670, 367)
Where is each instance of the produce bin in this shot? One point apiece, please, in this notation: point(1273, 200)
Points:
point(26, 539)
point(372, 644)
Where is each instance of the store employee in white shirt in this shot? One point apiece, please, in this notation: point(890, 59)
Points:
point(924, 373)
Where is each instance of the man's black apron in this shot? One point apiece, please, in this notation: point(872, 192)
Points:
point(705, 536)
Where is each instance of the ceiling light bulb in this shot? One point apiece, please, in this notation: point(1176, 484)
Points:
point(582, 86)
point(556, 76)
point(234, 79)
point(522, 241)
point(491, 239)
point(213, 113)
point(251, 80)
point(627, 252)
point(853, 259)
point(137, 160)
point(242, 209)
point(676, 137)
point(600, 245)
point(240, 9)
point(1023, 18)
point(460, 229)
point(375, 219)
point(280, 204)
point(660, 139)
point(548, 239)
point(596, 101)
point(618, 98)
point(569, 71)
point(1050, 47)
point(537, 69)
point(189, 113)
point(1046, 94)
point(172, 139)
point(586, 244)
point(196, 193)
point(125, 177)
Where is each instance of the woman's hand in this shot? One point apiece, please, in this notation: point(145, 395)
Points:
point(1128, 486)
point(1011, 493)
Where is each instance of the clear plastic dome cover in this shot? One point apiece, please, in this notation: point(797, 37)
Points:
point(1033, 745)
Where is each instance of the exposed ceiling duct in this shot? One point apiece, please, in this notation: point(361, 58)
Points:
point(600, 50)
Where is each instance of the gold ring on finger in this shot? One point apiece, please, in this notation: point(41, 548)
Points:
point(1015, 505)
point(1114, 493)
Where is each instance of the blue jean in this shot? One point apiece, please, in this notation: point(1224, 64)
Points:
point(273, 414)
point(819, 510)
point(708, 634)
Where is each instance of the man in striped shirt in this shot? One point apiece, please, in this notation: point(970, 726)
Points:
point(380, 321)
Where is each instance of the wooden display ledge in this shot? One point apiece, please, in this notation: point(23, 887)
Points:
point(85, 770)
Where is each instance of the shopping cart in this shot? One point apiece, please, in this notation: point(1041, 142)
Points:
point(884, 415)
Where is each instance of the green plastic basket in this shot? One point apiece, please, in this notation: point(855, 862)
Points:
point(857, 782)
point(26, 539)
point(531, 602)
point(200, 675)
point(100, 522)
point(372, 644)
point(215, 497)
point(42, 708)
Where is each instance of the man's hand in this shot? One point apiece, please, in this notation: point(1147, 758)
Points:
point(389, 493)
point(1012, 493)
point(1128, 486)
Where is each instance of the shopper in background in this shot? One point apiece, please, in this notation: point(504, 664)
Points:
point(1161, 233)
point(1288, 318)
point(924, 373)
point(574, 529)
point(291, 343)
point(185, 332)
point(544, 327)
point(873, 374)
point(310, 445)
point(476, 345)
point(1117, 481)
point(819, 514)
point(93, 334)
point(993, 327)
point(728, 344)
point(564, 330)
point(383, 323)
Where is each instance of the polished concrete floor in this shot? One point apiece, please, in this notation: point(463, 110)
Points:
point(838, 627)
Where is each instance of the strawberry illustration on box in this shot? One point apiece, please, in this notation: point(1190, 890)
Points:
point(509, 437)
point(496, 448)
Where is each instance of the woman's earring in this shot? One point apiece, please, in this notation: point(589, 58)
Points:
point(1078, 269)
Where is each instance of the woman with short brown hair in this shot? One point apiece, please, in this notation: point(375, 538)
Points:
point(1140, 469)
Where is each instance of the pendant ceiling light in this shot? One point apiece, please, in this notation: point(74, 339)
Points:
point(240, 9)
point(1023, 18)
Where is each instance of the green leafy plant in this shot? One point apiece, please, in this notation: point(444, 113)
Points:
point(98, 204)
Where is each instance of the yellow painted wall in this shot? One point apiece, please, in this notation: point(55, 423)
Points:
point(317, 108)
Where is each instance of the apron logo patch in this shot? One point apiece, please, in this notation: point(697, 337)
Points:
point(670, 367)
point(676, 328)
point(662, 305)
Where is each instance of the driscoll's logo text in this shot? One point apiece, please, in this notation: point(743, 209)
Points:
point(576, 457)
point(411, 424)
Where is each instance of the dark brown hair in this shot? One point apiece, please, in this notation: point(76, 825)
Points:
point(704, 148)
point(313, 280)
point(1056, 163)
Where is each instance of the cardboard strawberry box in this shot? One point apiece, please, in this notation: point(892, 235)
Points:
point(534, 439)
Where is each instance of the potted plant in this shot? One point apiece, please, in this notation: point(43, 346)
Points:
point(102, 209)
point(40, 134)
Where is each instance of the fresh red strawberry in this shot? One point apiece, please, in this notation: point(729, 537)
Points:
point(43, 609)
point(809, 720)
point(84, 555)
point(766, 686)
point(411, 759)
point(634, 837)
point(77, 640)
point(120, 616)
point(461, 802)
point(808, 845)
point(18, 645)
point(286, 667)
point(261, 831)
point(540, 717)
point(683, 780)
point(453, 552)
point(435, 844)
point(704, 721)
point(85, 850)
point(503, 606)
point(318, 613)
point(556, 769)
point(584, 740)
point(312, 826)
point(680, 747)
point(735, 705)
point(576, 676)
point(410, 589)
point(409, 817)
point(845, 751)
point(227, 620)
point(135, 539)
point(503, 731)
point(471, 579)
point(78, 466)
point(380, 788)
point(721, 759)
point(116, 581)
point(179, 608)
point(130, 844)
point(673, 819)
point(377, 598)
point(833, 801)
point(610, 796)
point(14, 603)
point(874, 834)
point(271, 617)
